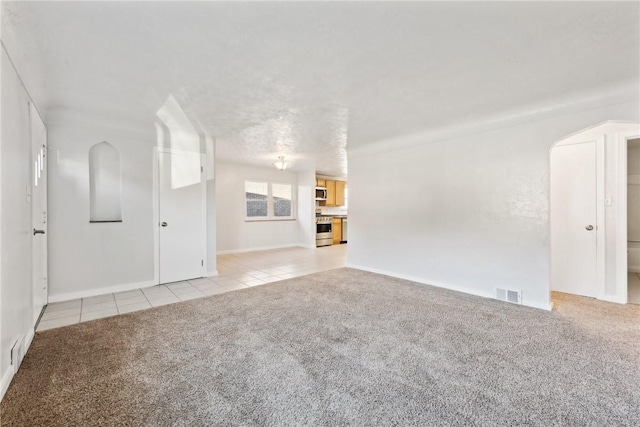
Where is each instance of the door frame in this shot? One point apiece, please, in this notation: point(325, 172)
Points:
point(156, 208)
point(620, 145)
point(611, 175)
point(34, 118)
point(600, 190)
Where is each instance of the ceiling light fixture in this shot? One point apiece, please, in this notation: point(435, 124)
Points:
point(281, 164)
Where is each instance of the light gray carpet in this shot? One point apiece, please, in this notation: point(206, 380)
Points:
point(342, 347)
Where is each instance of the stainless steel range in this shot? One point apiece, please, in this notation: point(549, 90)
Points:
point(324, 231)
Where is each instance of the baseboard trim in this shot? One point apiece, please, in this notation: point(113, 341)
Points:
point(545, 307)
point(28, 339)
point(614, 298)
point(456, 288)
point(6, 380)
point(9, 374)
point(213, 273)
point(101, 291)
point(260, 248)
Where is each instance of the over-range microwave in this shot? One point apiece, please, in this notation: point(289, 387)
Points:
point(321, 193)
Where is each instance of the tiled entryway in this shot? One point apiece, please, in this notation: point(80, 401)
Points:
point(236, 271)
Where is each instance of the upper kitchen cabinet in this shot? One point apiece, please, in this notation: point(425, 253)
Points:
point(340, 186)
point(331, 193)
point(335, 191)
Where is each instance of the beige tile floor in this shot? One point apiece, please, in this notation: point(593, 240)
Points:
point(236, 271)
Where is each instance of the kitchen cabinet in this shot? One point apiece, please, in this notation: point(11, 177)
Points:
point(331, 193)
point(337, 230)
point(335, 191)
point(340, 186)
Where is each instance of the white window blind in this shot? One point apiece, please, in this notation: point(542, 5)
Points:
point(257, 194)
point(266, 200)
point(282, 200)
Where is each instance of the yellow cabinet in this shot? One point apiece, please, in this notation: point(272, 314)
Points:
point(331, 193)
point(335, 191)
point(337, 230)
point(340, 186)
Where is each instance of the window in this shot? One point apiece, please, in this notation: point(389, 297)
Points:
point(257, 194)
point(282, 200)
point(266, 200)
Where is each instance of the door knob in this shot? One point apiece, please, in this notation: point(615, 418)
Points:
point(589, 227)
point(164, 224)
point(37, 231)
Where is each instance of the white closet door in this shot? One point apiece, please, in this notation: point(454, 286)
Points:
point(181, 213)
point(573, 219)
point(39, 212)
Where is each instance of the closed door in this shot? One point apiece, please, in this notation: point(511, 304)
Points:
point(573, 219)
point(38, 212)
point(181, 216)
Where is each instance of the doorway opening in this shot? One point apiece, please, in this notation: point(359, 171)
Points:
point(181, 195)
point(594, 213)
point(633, 221)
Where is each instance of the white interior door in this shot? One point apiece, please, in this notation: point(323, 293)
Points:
point(38, 212)
point(573, 219)
point(181, 215)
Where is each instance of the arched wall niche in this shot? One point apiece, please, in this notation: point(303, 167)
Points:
point(105, 186)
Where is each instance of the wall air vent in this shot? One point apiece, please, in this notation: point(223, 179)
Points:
point(17, 354)
point(509, 295)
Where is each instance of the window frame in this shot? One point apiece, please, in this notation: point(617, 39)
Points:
point(270, 202)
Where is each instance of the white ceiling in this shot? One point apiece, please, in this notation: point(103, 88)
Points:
point(305, 79)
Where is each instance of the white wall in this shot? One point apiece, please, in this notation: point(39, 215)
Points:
point(15, 213)
point(2, 349)
point(89, 259)
point(234, 233)
point(86, 257)
point(468, 213)
point(212, 262)
point(306, 208)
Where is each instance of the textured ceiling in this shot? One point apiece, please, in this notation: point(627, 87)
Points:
point(305, 79)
